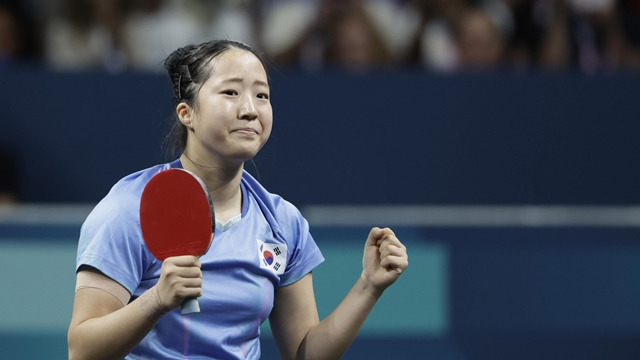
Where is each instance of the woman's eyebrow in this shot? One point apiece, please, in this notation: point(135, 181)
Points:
point(240, 80)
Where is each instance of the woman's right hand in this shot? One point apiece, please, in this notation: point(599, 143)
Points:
point(181, 278)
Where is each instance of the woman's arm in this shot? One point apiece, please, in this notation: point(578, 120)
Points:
point(294, 319)
point(103, 328)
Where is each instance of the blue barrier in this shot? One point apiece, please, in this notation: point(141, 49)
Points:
point(490, 287)
point(405, 137)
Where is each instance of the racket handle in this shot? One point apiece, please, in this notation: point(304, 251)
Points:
point(189, 306)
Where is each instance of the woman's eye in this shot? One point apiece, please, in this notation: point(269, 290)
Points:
point(263, 96)
point(230, 92)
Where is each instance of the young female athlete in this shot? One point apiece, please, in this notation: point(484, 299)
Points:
point(127, 303)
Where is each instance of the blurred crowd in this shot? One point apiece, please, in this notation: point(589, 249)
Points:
point(441, 35)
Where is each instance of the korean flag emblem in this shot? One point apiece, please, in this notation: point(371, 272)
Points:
point(272, 257)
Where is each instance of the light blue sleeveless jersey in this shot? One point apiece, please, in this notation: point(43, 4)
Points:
point(269, 247)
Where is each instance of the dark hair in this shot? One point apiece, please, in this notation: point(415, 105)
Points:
point(188, 69)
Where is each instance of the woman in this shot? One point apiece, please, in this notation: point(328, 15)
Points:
point(125, 302)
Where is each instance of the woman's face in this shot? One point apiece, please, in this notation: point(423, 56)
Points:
point(233, 117)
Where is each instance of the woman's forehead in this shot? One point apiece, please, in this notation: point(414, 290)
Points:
point(237, 63)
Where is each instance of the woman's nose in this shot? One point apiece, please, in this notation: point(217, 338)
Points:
point(247, 109)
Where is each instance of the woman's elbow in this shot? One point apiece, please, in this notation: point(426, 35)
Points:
point(74, 351)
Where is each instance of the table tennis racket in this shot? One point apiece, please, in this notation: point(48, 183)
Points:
point(177, 218)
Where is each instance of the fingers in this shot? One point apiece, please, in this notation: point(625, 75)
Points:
point(393, 254)
point(376, 234)
point(186, 260)
point(183, 267)
point(181, 278)
point(395, 263)
point(183, 271)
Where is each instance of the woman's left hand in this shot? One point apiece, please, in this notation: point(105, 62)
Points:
point(385, 258)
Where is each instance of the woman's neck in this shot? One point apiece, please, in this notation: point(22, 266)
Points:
point(223, 184)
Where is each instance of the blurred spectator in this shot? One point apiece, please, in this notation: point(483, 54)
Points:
point(479, 41)
point(530, 18)
point(469, 35)
point(435, 44)
point(397, 23)
point(555, 46)
point(595, 34)
point(118, 34)
point(18, 42)
point(349, 34)
point(444, 35)
point(589, 35)
point(284, 24)
point(351, 40)
point(86, 34)
point(582, 34)
point(629, 15)
point(155, 27)
point(462, 34)
point(9, 36)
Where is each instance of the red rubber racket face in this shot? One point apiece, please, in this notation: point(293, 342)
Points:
point(176, 215)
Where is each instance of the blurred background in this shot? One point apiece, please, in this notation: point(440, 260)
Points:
point(497, 137)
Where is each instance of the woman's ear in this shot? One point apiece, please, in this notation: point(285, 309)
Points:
point(185, 114)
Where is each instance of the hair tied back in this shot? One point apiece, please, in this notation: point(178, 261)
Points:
point(184, 78)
